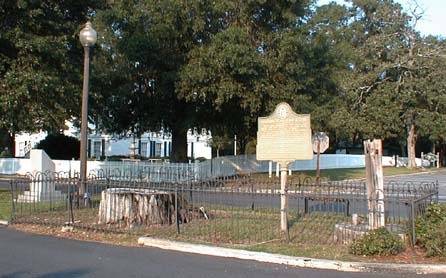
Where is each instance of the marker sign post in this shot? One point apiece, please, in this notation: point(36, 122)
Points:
point(284, 137)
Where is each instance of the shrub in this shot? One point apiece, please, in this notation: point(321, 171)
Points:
point(116, 157)
point(251, 147)
point(5, 153)
point(377, 242)
point(59, 146)
point(431, 231)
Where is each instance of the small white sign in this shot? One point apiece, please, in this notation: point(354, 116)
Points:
point(322, 139)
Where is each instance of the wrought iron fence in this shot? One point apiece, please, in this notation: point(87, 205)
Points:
point(172, 172)
point(234, 210)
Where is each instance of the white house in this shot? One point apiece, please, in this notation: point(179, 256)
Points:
point(149, 145)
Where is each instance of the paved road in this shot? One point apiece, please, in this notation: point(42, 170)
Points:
point(439, 176)
point(4, 184)
point(25, 255)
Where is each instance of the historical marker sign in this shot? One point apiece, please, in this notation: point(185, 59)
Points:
point(284, 136)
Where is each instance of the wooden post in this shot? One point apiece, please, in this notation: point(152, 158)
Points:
point(318, 168)
point(375, 183)
point(283, 197)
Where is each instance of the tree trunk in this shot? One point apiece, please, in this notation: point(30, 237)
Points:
point(442, 148)
point(179, 145)
point(411, 142)
point(179, 126)
point(131, 206)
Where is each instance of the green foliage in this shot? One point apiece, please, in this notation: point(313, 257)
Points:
point(147, 44)
point(254, 63)
point(251, 147)
point(183, 64)
point(6, 143)
point(361, 70)
point(59, 146)
point(377, 242)
point(431, 230)
point(5, 153)
point(41, 62)
point(392, 79)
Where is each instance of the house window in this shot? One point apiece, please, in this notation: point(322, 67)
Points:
point(97, 149)
point(144, 149)
point(158, 150)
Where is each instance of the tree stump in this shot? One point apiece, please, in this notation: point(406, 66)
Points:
point(132, 206)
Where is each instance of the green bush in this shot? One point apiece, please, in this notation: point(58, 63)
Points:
point(431, 231)
point(377, 242)
point(5, 153)
point(116, 157)
point(251, 147)
point(59, 146)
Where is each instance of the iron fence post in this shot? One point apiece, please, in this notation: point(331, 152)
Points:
point(70, 204)
point(177, 220)
point(412, 212)
point(11, 182)
point(306, 205)
point(437, 191)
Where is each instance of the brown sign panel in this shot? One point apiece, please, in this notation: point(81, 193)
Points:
point(284, 136)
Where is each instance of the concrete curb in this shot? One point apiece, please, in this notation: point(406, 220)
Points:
point(291, 261)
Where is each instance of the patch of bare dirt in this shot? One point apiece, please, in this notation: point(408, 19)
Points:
point(79, 234)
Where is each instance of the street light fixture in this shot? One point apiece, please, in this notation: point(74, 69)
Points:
point(87, 37)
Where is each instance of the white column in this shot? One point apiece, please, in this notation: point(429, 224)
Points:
point(270, 169)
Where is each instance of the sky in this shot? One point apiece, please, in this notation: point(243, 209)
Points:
point(434, 18)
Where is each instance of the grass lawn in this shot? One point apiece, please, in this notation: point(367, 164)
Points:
point(310, 235)
point(5, 204)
